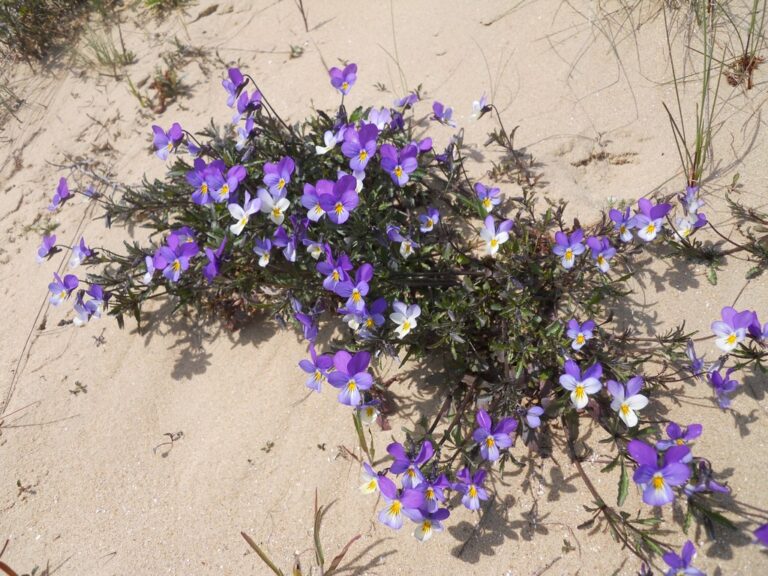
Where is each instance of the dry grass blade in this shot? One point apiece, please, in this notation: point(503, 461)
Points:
point(340, 556)
point(261, 554)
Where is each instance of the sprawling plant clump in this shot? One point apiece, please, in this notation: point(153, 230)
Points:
point(356, 217)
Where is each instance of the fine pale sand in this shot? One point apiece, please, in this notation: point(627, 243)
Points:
point(91, 484)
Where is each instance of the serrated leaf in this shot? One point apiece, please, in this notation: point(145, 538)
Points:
point(712, 275)
point(753, 273)
point(623, 484)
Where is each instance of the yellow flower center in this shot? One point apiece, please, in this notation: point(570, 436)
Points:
point(318, 209)
point(335, 275)
point(339, 208)
point(170, 146)
point(281, 184)
point(176, 266)
point(569, 254)
point(204, 188)
point(651, 228)
point(624, 409)
point(370, 412)
point(398, 171)
point(407, 247)
point(363, 155)
point(679, 441)
point(580, 392)
point(622, 229)
point(351, 385)
point(276, 211)
point(657, 482)
point(430, 223)
point(243, 220)
point(318, 376)
point(426, 526)
point(411, 473)
point(406, 326)
point(731, 340)
point(224, 191)
point(487, 203)
point(345, 86)
point(600, 260)
point(429, 493)
point(356, 296)
point(369, 322)
point(472, 491)
point(580, 339)
point(489, 442)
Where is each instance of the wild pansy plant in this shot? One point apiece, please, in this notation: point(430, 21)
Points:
point(353, 216)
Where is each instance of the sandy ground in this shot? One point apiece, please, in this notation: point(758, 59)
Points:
point(89, 482)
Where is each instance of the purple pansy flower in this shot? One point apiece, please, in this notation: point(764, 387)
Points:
point(360, 146)
point(211, 269)
point(602, 252)
point(61, 289)
point(398, 503)
point(62, 193)
point(246, 105)
point(493, 438)
point(656, 480)
point(244, 134)
point(85, 310)
point(442, 114)
point(223, 186)
point(679, 436)
point(627, 399)
point(681, 565)
point(722, 386)
point(427, 523)
point(274, 204)
point(79, 253)
point(343, 80)
point(408, 464)
point(308, 325)
point(580, 333)
point(380, 117)
point(368, 412)
point(370, 479)
point(341, 200)
point(480, 107)
point(429, 220)
point(692, 219)
point(46, 247)
point(351, 376)
point(732, 329)
point(335, 271)
point(263, 248)
point(197, 177)
point(623, 222)
point(317, 368)
point(173, 259)
point(373, 316)
point(489, 197)
point(407, 244)
point(149, 264)
point(164, 141)
point(356, 291)
point(762, 534)
point(704, 476)
point(404, 316)
point(649, 219)
point(330, 140)
point(581, 387)
point(281, 239)
point(568, 247)
point(277, 176)
point(407, 101)
point(471, 485)
point(533, 416)
point(434, 492)
point(756, 331)
point(399, 165)
point(233, 84)
point(311, 198)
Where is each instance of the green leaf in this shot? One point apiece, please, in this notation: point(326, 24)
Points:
point(754, 272)
point(623, 484)
point(262, 554)
point(712, 275)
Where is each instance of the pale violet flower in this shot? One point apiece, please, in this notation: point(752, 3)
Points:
point(581, 387)
point(405, 317)
point(275, 206)
point(241, 214)
point(494, 238)
point(627, 400)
